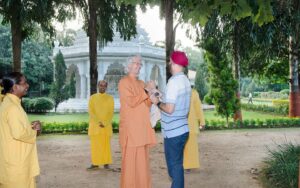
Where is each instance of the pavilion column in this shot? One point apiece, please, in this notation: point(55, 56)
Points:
point(88, 86)
point(83, 86)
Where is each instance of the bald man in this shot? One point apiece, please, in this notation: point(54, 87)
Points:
point(101, 111)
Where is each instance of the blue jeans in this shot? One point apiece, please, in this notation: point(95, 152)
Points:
point(174, 157)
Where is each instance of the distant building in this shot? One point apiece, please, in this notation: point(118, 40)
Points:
point(112, 59)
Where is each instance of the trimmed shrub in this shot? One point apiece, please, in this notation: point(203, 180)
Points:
point(278, 102)
point(282, 166)
point(207, 99)
point(37, 105)
point(281, 110)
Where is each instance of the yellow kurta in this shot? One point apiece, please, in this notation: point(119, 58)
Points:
point(196, 116)
point(101, 109)
point(18, 153)
point(1, 96)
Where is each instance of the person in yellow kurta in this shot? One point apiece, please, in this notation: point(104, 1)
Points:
point(101, 111)
point(18, 153)
point(195, 121)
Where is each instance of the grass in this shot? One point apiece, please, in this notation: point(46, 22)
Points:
point(83, 117)
point(62, 118)
point(281, 167)
point(211, 115)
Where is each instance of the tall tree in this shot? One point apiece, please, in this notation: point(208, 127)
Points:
point(23, 16)
point(102, 20)
point(59, 91)
point(223, 85)
point(35, 57)
point(276, 49)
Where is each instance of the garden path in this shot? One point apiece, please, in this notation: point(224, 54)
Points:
point(229, 159)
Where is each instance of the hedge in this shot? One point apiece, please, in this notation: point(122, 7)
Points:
point(278, 109)
point(268, 123)
point(37, 105)
point(82, 127)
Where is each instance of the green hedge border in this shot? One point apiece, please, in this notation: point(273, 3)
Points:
point(82, 127)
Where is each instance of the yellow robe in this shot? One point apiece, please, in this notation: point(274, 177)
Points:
point(191, 149)
point(1, 96)
point(18, 153)
point(101, 109)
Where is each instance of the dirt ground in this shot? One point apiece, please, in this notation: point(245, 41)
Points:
point(229, 159)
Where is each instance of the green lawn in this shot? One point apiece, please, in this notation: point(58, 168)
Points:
point(211, 115)
point(80, 117)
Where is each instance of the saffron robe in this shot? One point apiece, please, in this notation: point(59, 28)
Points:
point(136, 133)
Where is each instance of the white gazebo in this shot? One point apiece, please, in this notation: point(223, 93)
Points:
point(112, 60)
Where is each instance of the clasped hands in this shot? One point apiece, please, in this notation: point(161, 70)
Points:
point(37, 125)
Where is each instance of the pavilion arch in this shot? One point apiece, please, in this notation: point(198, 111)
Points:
point(113, 75)
point(157, 77)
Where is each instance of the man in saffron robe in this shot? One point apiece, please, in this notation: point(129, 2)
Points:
point(101, 111)
point(18, 153)
point(136, 134)
point(196, 121)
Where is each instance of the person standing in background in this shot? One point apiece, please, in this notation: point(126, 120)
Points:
point(196, 121)
point(101, 112)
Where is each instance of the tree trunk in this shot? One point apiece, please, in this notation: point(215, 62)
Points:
point(236, 68)
point(16, 30)
point(93, 46)
point(294, 106)
point(170, 36)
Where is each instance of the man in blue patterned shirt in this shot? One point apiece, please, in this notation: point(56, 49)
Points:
point(174, 117)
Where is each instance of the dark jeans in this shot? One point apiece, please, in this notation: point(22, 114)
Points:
point(174, 156)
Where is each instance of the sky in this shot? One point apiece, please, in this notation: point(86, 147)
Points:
point(149, 21)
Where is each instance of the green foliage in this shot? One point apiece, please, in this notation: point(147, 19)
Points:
point(72, 86)
point(201, 80)
point(5, 49)
point(76, 127)
point(31, 12)
point(252, 123)
point(199, 12)
point(222, 83)
point(280, 103)
point(207, 99)
point(59, 91)
point(280, 110)
point(37, 65)
point(37, 105)
point(282, 166)
point(66, 37)
point(65, 128)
